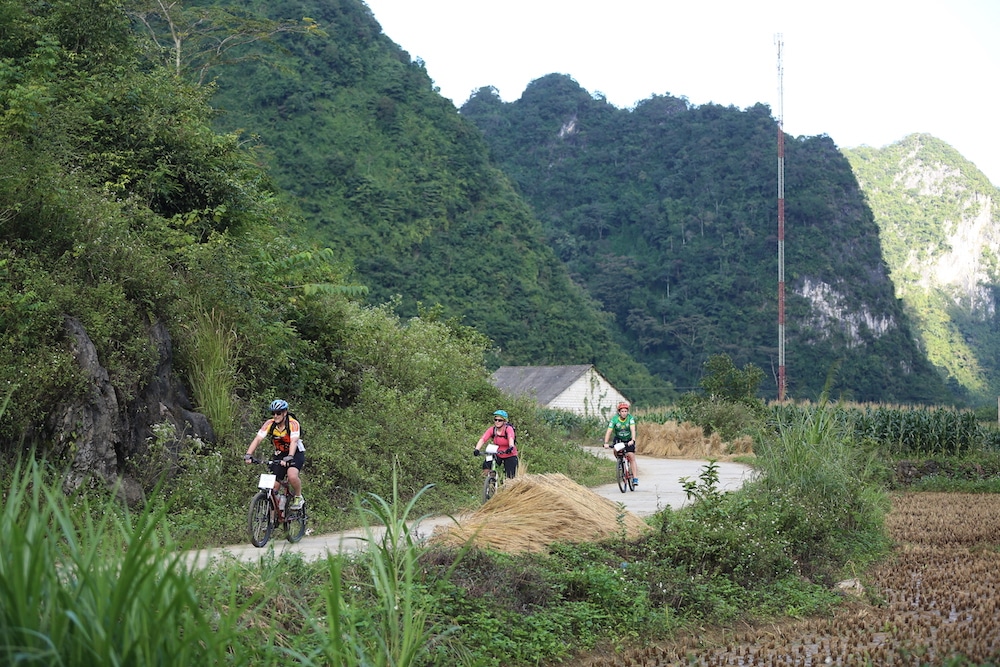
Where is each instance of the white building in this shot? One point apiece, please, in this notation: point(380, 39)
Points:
point(579, 389)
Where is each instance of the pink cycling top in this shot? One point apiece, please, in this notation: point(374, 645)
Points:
point(502, 437)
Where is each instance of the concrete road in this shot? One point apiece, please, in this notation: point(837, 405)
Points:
point(659, 487)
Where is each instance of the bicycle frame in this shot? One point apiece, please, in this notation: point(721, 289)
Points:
point(493, 478)
point(624, 469)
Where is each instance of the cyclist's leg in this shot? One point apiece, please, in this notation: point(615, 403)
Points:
point(630, 453)
point(487, 465)
point(279, 471)
point(295, 472)
point(510, 466)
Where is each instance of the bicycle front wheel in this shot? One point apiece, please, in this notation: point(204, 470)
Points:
point(628, 476)
point(259, 519)
point(622, 472)
point(489, 485)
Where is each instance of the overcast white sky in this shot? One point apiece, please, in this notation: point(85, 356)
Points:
point(862, 71)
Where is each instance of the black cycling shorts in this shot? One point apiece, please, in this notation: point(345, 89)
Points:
point(298, 461)
point(509, 465)
point(628, 448)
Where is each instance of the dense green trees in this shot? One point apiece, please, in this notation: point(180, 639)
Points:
point(385, 170)
point(121, 208)
point(666, 213)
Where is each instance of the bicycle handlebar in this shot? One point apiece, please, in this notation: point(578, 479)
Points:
point(263, 462)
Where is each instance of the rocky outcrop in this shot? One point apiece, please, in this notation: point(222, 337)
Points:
point(100, 434)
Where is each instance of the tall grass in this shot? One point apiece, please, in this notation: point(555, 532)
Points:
point(400, 630)
point(812, 457)
point(93, 585)
point(211, 354)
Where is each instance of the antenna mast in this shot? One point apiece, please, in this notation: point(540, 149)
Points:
point(781, 224)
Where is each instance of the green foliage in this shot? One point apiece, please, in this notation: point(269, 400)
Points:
point(729, 404)
point(768, 550)
point(901, 431)
point(664, 213)
point(192, 40)
point(814, 461)
point(723, 381)
point(927, 201)
point(121, 207)
point(212, 370)
point(400, 630)
point(977, 472)
point(387, 172)
point(85, 584)
point(924, 431)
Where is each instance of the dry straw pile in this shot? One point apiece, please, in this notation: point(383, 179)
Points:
point(685, 440)
point(533, 511)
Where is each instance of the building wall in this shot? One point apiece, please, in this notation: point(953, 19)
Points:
point(591, 395)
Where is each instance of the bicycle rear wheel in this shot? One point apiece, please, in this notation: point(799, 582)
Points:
point(622, 472)
point(489, 485)
point(295, 527)
point(259, 519)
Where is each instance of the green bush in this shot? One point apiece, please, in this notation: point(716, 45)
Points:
point(814, 460)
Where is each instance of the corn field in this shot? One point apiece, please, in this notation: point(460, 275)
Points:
point(905, 430)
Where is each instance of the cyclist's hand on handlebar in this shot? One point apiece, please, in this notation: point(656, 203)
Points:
point(247, 458)
point(476, 452)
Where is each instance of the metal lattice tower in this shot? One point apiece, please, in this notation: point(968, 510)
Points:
point(781, 224)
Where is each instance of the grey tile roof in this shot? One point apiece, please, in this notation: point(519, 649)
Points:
point(545, 383)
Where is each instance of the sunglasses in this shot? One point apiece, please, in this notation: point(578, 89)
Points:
point(499, 421)
point(279, 412)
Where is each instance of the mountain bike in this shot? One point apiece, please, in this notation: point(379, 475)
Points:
point(624, 468)
point(493, 478)
point(267, 511)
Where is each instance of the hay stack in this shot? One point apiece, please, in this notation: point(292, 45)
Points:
point(685, 440)
point(533, 511)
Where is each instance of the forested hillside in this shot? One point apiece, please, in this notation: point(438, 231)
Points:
point(158, 292)
point(667, 214)
point(939, 217)
point(389, 175)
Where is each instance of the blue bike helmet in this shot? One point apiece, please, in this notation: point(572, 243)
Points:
point(278, 405)
point(501, 413)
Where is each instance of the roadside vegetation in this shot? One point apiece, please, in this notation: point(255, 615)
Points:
point(772, 550)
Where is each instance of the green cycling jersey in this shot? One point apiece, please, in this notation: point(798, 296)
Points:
point(622, 428)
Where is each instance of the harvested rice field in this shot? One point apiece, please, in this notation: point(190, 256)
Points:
point(936, 599)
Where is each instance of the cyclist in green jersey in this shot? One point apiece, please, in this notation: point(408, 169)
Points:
point(622, 427)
